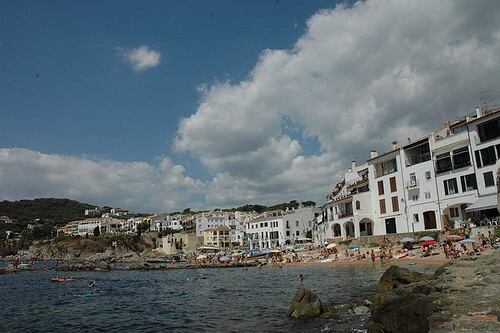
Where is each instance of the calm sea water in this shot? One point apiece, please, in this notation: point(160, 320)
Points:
point(202, 300)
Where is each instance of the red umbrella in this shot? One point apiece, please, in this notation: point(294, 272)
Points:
point(429, 242)
point(454, 238)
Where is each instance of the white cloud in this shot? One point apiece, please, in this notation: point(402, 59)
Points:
point(134, 185)
point(381, 68)
point(140, 58)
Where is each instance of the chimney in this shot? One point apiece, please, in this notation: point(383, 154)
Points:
point(478, 112)
point(353, 165)
point(394, 145)
point(373, 154)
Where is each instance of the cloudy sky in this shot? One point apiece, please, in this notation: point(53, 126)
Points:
point(159, 106)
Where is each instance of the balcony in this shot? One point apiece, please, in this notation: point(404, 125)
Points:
point(342, 215)
point(412, 184)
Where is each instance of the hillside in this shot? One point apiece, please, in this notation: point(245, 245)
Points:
point(59, 211)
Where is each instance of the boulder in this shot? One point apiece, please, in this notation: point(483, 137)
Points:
point(395, 277)
point(305, 304)
point(361, 310)
point(102, 265)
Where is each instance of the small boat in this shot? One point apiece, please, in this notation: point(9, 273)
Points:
point(62, 279)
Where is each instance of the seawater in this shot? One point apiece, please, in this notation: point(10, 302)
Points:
point(198, 300)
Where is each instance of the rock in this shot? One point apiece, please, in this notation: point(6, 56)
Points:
point(102, 265)
point(361, 310)
point(367, 302)
point(395, 277)
point(305, 304)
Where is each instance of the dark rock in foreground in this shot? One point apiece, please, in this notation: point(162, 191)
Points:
point(305, 304)
point(460, 297)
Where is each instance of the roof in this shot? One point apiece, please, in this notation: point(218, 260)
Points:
point(383, 155)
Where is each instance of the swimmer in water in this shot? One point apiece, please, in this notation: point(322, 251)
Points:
point(301, 278)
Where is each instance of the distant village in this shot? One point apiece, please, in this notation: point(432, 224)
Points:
point(445, 179)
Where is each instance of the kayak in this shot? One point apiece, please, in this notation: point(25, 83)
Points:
point(58, 279)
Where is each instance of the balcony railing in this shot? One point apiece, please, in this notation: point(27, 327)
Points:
point(410, 184)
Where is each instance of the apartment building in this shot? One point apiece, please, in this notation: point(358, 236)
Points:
point(441, 179)
point(279, 228)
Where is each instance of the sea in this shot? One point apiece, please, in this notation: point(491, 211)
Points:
point(184, 300)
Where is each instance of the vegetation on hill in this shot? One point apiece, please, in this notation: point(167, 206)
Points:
point(59, 211)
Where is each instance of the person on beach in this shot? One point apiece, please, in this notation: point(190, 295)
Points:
point(372, 254)
point(483, 240)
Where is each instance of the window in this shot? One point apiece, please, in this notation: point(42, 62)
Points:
point(428, 175)
point(461, 158)
point(450, 186)
point(395, 204)
point(297, 233)
point(414, 197)
point(415, 218)
point(392, 181)
point(454, 212)
point(358, 205)
point(478, 159)
point(468, 182)
point(488, 156)
point(382, 206)
point(287, 225)
point(296, 223)
point(443, 162)
point(427, 195)
point(488, 179)
point(288, 232)
point(385, 168)
point(380, 187)
point(265, 224)
point(489, 130)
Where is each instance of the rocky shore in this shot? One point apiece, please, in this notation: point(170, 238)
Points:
point(461, 296)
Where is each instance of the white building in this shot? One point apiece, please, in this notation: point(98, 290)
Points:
point(443, 178)
point(278, 228)
point(210, 219)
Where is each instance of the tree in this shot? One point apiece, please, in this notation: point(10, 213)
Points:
point(308, 203)
point(97, 231)
point(187, 210)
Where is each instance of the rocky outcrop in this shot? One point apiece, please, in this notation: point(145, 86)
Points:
point(305, 304)
point(461, 296)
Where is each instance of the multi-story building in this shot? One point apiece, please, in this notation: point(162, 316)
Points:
point(210, 220)
point(443, 178)
point(278, 228)
point(217, 236)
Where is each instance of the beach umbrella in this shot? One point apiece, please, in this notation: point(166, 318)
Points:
point(331, 246)
point(469, 240)
point(224, 259)
point(425, 238)
point(428, 242)
point(454, 238)
point(407, 240)
point(201, 257)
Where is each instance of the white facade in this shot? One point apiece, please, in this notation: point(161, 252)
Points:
point(443, 178)
point(210, 220)
point(278, 228)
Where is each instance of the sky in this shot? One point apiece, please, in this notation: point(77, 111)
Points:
point(161, 105)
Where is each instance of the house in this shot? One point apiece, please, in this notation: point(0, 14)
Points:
point(178, 243)
point(445, 178)
point(217, 236)
point(276, 229)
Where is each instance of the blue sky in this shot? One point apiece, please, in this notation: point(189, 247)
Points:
point(64, 90)
point(162, 105)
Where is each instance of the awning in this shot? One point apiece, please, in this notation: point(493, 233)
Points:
point(483, 203)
